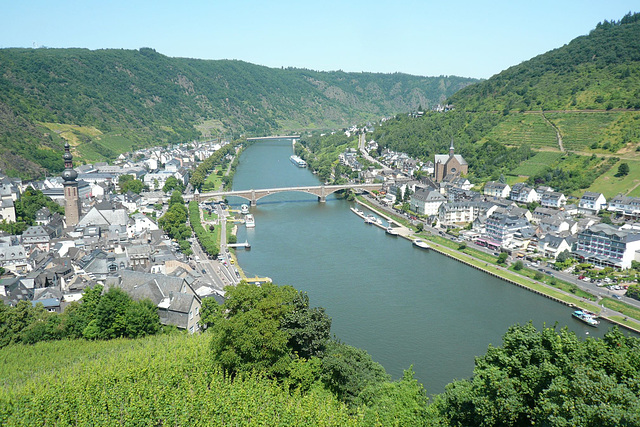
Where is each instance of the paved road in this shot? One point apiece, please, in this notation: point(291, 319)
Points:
point(567, 277)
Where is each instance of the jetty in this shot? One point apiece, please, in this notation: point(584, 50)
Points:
point(245, 245)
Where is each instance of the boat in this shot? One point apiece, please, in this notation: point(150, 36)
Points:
point(369, 219)
point(249, 221)
point(379, 221)
point(298, 161)
point(421, 244)
point(244, 209)
point(391, 231)
point(587, 317)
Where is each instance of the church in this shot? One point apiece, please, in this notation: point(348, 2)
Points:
point(449, 164)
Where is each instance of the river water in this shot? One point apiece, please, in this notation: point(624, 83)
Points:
point(404, 305)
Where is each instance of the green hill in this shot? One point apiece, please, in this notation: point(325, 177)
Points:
point(580, 102)
point(107, 101)
point(600, 70)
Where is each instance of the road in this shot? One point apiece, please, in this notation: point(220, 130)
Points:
point(561, 275)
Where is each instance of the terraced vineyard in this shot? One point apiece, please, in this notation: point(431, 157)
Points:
point(581, 130)
point(537, 163)
point(528, 128)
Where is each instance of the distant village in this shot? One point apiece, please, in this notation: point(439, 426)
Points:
point(105, 237)
point(498, 216)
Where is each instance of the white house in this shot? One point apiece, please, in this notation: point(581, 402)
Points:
point(553, 199)
point(522, 193)
point(591, 203)
point(426, 202)
point(497, 189)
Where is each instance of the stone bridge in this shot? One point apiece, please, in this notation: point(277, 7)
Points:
point(321, 191)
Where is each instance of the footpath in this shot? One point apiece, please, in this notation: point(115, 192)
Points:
point(555, 294)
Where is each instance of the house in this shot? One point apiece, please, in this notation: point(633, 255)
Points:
point(426, 202)
point(553, 199)
point(446, 164)
point(625, 206)
point(608, 246)
point(455, 213)
point(140, 223)
point(591, 203)
point(522, 193)
point(502, 226)
point(552, 245)
point(497, 189)
point(177, 302)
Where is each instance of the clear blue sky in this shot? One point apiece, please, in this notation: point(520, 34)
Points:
point(428, 38)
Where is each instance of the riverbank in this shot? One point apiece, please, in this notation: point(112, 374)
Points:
point(503, 273)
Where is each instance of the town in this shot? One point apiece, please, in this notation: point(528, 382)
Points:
point(108, 238)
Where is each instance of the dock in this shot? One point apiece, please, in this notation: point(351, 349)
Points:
point(257, 280)
point(245, 245)
point(364, 217)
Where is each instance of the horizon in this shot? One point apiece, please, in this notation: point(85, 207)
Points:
point(415, 37)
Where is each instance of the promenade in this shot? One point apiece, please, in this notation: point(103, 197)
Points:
point(538, 287)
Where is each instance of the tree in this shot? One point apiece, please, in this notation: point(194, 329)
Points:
point(308, 328)
point(247, 334)
point(548, 378)
point(518, 265)
point(172, 184)
point(110, 314)
point(502, 258)
point(623, 169)
point(347, 371)
point(419, 227)
point(128, 183)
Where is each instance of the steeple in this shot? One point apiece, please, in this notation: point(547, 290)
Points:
point(71, 199)
point(451, 148)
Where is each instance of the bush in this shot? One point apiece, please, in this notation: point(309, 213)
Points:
point(518, 265)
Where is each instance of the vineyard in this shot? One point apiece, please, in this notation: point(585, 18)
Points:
point(525, 129)
point(162, 380)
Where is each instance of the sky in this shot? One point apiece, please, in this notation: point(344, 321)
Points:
point(468, 38)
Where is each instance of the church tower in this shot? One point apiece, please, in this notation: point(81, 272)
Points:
point(71, 199)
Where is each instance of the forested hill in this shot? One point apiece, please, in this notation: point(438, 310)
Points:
point(109, 101)
point(600, 70)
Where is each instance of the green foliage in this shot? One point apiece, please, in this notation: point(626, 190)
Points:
point(549, 378)
point(208, 240)
point(399, 403)
point(166, 379)
point(633, 291)
point(247, 335)
point(518, 265)
point(172, 184)
point(623, 169)
point(502, 258)
point(99, 316)
point(30, 202)
point(131, 99)
point(347, 371)
point(591, 72)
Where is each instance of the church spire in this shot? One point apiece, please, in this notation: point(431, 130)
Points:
point(451, 148)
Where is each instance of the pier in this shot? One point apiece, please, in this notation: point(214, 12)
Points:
point(245, 245)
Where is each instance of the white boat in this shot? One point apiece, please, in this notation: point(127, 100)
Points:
point(244, 209)
point(378, 221)
point(587, 317)
point(391, 231)
point(249, 221)
point(419, 243)
point(369, 219)
point(298, 161)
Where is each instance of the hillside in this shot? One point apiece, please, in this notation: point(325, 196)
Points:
point(567, 118)
point(105, 102)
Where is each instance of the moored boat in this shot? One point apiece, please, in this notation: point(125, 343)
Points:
point(244, 209)
point(421, 244)
point(298, 161)
point(587, 317)
point(369, 219)
point(391, 231)
point(249, 221)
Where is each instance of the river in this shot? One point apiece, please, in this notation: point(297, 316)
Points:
point(404, 305)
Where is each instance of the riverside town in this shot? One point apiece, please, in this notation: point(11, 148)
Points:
point(212, 242)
